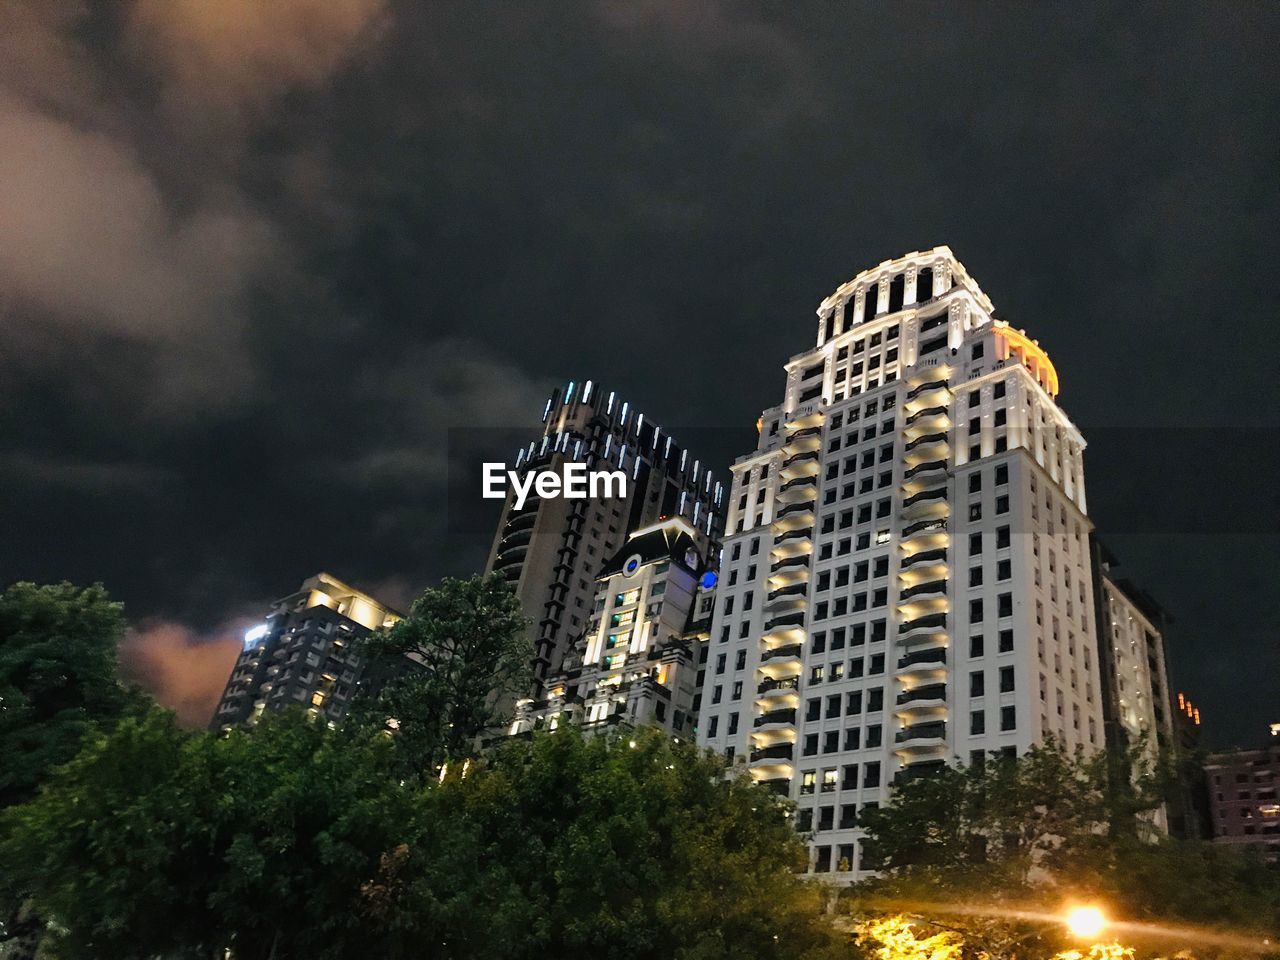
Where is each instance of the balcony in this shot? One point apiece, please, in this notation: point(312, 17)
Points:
point(522, 521)
point(779, 751)
point(925, 389)
point(915, 771)
point(807, 414)
point(929, 590)
point(789, 652)
point(925, 469)
point(799, 535)
point(926, 696)
point(779, 785)
point(778, 686)
point(923, 557)
point(925, 532)
point(510, 559)
point(775, 718)
point(800, 465)
point(803, 488)
point(931, 625)
point(926, 502)
point(937, 417)
point(929, 443)
point(934, 658)
point(790, 563)
point(810, 438)
point(515, 538)
point(783, 621)
point(922, 735)
point(801, 510)
point(790, 593)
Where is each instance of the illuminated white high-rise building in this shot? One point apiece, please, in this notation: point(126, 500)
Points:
point(906, 576)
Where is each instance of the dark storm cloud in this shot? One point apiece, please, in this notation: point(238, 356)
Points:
point(262, 265)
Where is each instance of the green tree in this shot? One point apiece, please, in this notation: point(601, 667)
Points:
point(466, 640)
point(1045, 828)
point(156, 841)
point(623, 846)
point(58, 678)
point(291, 840)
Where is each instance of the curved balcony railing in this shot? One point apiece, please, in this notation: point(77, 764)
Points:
point(928, 621)
point(779, 751)
point(799, 533)
point(926, 439)
point(790, 562)
point(770, 684)
point(924, 526)
point(793, 591)
point(921, 589)
point(921, 731)
point(924, 556)
point(790, 651)
point(793, 509)
point(925, 413)
point(797, 482)
point(936, 656)
point(522, 521)
point(932, 691)
point(507, 560)
point(925, 496)
point(791, 619)
point(786, 715)
point(802, 457)
point(927, 467)
point(925, 388)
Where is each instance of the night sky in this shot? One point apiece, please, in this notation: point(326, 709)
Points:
point(263, 265)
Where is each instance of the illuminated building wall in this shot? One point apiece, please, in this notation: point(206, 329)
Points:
point(905, 579)
point(640, 657)
point(552, 549)
point(302, 654)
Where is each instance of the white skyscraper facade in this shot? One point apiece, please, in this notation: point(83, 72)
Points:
point(906, 576)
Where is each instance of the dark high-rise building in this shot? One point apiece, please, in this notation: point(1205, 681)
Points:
point(550, 549)
point(1137, 707)
point(303, 654)
point(1242, 796)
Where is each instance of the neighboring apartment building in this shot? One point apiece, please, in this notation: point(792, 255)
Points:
point(1137, 707)
point(1243, 806)
point(551, 549)
point(639, 659)
point(303, 654)
point(906, 578)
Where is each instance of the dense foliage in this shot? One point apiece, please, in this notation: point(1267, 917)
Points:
point(1032, 834)
point(58, 678)
point(292, 840)
point(467, 641)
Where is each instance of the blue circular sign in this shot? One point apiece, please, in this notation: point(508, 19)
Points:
point(709, 579)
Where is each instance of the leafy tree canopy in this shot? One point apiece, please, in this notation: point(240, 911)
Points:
point(58, 678)
point(466, 640)
point(294, 840)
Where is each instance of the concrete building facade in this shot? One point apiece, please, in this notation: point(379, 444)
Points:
point(906, 578)
point(551, 549)
point(303, 654)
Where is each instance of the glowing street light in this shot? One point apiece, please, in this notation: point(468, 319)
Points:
point(1085, 922)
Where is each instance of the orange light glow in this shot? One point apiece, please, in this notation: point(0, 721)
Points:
point(1011, 342)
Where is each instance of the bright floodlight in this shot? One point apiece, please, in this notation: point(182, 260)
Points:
point(1085, 921)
